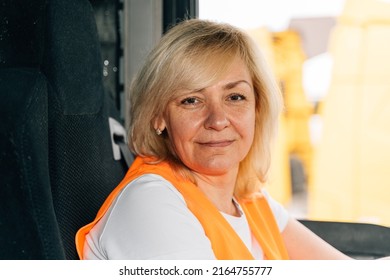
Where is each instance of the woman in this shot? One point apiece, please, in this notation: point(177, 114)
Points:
point(204, 110)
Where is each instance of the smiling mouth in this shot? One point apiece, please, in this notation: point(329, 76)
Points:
point(217, 144)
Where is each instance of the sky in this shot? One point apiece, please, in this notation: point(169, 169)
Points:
point(274, 14)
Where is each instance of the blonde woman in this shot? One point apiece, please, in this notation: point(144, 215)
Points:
point(204, 111)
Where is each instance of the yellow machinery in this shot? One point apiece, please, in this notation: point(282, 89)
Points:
point(284, 52)
point(289, 59)
point(351, 171)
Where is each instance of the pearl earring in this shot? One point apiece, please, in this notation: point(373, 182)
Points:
point(158, 131)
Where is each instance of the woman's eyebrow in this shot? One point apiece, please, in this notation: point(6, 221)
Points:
point(225, 87)
point(234, 84)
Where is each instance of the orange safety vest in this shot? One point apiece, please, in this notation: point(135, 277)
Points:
point(225, 242)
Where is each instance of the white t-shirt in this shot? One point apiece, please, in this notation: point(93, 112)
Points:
point(149, 219)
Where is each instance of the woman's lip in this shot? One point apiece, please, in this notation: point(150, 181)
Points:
point(215, 144)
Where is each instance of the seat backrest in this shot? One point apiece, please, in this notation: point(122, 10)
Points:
point(28, 224)
point(56, 147)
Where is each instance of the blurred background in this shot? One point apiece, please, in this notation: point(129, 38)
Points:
point(332, 61)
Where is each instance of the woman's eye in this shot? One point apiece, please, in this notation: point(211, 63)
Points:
point(237, 97)
point(189, 101)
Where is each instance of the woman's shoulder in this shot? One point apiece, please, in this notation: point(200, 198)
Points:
point(150, 186)
point(148, 219)
point(279, 211)
point(147, 195)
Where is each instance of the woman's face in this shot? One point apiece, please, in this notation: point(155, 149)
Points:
point(212, 130)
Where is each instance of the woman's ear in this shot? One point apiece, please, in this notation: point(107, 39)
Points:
point(159, 125)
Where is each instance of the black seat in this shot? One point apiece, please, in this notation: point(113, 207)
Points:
point(57, 164)
point(357, 240)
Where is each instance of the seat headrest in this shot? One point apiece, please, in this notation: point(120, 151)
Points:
point(72, 59)
point(21, 33)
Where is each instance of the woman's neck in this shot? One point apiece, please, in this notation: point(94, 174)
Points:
point(219, 190)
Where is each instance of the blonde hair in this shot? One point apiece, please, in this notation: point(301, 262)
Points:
point(192, 55)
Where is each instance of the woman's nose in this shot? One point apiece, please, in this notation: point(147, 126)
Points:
point(217, 117)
